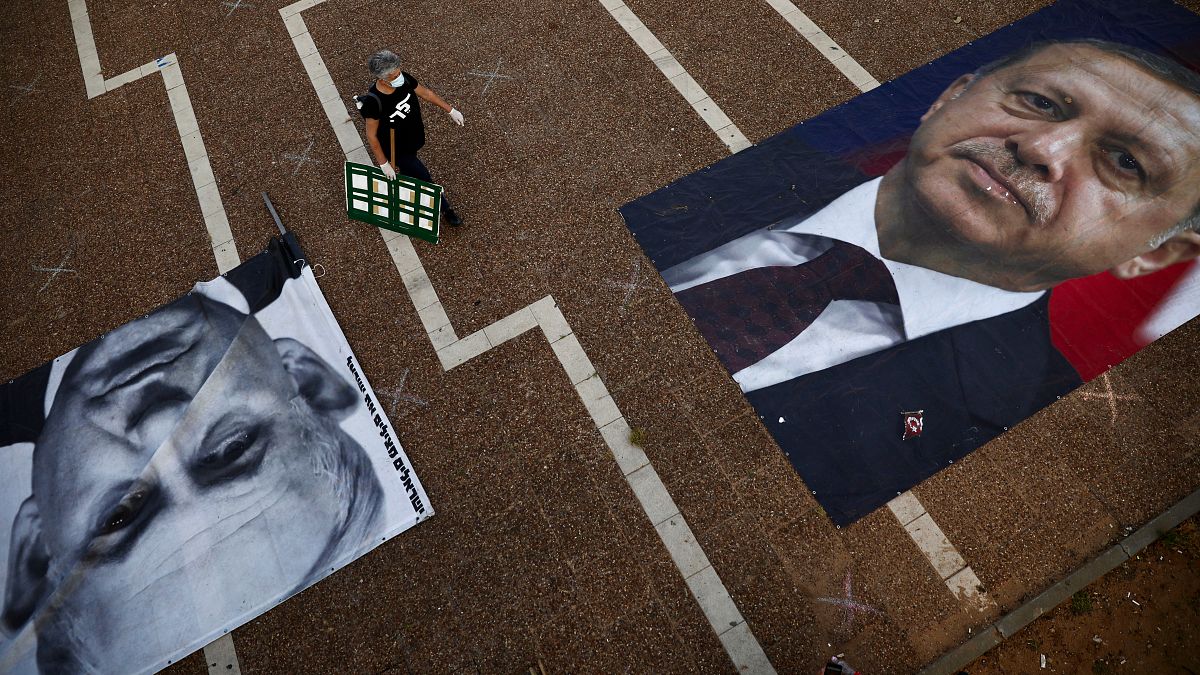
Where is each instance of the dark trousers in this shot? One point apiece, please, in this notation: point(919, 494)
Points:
point(411, 166)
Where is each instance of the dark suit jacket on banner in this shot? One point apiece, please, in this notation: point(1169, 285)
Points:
point(842, 426)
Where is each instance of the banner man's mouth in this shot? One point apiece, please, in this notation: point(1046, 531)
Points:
point(997, 171)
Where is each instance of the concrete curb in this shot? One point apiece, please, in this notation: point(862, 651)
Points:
point(959, 657)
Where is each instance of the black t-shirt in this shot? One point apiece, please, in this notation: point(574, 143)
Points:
point(399, 111)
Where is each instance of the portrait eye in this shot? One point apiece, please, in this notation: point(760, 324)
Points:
point(124, 513)
point(1126, 163)
point(233, 451)
point(1041, 103)
point(228, 451)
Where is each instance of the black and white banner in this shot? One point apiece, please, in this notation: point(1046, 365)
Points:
point(184, 473)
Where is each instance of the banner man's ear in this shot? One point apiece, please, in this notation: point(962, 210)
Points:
point(320, 385)
point(1183, 246)
point(28, 562)
point(952, 92)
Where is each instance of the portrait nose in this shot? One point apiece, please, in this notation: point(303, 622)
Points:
point(1047, 148)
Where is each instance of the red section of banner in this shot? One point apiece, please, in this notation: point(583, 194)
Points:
point(1094, 320)
point(879, 159)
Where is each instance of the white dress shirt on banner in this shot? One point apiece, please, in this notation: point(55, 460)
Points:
point(929, 301)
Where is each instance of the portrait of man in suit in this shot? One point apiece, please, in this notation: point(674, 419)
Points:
point(190, 468)
point(925, 290)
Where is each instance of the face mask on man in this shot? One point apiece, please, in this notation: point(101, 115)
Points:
point(398, 81)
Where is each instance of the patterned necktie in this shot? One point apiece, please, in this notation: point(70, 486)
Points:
point(749, 315)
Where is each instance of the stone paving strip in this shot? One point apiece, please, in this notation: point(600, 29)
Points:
point(1008, 625)
point(687, 86)
point(824, 44)
point(941, 554)
point(220, 655)
point(698, 573)
point(203, 179)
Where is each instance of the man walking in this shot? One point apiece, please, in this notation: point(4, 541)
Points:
point(395, 130)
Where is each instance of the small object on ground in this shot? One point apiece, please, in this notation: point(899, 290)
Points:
point(837, 666)
point(1043, 660)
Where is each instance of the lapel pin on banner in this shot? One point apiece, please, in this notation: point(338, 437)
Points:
point(914, 424)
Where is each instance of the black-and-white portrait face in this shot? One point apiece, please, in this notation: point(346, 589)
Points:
point(189, 462)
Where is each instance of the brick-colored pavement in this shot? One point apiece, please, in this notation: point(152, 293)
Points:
point(540, 552)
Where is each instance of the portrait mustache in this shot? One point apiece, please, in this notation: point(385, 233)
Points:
point(1027, 188)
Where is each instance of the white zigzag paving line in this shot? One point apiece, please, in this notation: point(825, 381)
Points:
point(949, 564)
point(220, 655)
point(205, 183)
point(714, 599)
point(688, 88)
point(810, 31)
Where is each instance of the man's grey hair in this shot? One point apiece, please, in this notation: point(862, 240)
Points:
point(1164, 68)
point(382, 62)
point(345, 464)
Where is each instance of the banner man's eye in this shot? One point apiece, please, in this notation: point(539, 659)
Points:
point(1126, 163)
point(1042, 104)
point(125, 512)
point(229, 451)
point(233, 448)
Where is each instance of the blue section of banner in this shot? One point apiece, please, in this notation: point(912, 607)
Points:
point(842, 427)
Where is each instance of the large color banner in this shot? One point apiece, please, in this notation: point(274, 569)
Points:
point(184, 473)
point(904, 277)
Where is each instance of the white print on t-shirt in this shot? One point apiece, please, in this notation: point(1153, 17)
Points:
point(402, 108)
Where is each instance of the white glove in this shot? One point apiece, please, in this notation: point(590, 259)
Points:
point(456, 116)
point(387, 170)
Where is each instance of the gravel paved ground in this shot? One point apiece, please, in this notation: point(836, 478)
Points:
point(540, 552)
